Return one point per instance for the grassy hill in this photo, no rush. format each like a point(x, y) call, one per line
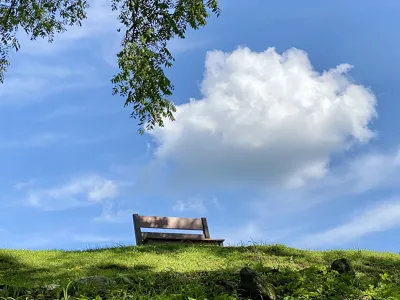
point(202, 272)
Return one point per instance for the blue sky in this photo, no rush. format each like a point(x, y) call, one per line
point(290, 136)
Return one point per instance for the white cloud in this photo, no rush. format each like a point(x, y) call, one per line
point(35, 140)
point(367, 172)
point(29, 81)
point(36, 241)
point(192, 204)
point(364, 173)
point(111, 214)
point(382, 216)
point(81, 191)
point(94, 238)
point(46, 139)
point(101, 22)
point(254, 232)
point(50, 239)
point(24, 184)
point(244, 234)
point(41, 68)
point(177, 45)
point(64, 111)
point(196, 204)
point(103, 190)
point(353, 178)
point(265, 118)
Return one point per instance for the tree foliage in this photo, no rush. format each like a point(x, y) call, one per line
point(144, 55)
point(38, 18)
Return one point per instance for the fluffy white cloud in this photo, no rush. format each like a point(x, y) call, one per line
point(382, 216)
point(265, 118)
point(79, 192)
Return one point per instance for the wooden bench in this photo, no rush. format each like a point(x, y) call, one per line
point(143, 238)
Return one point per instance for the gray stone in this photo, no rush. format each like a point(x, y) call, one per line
point(229, 286)
point(51, 287)
point(252, 286)
point(342, 266)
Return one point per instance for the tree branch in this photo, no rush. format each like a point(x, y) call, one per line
point(13, 4)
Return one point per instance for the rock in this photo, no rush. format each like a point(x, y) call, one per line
point(51, 287)
point(252, 286)
point(342, 266)
point(229, 286)
point(92, 285)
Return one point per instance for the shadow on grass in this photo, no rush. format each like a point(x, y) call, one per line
point(8, 262)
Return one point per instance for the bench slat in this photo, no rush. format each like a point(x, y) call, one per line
point(171, 223)
point(172, 236)
point(180, 239)
point(173, 241)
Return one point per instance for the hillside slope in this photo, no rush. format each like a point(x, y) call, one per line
point(188, 272)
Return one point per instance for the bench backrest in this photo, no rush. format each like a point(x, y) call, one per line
point(169, 223)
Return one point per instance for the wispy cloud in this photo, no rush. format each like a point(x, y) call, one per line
point(50, 239)
point(42, 69)
point(196, 204)
point(59, 112)
point(191, 204)
point(47, 139)
point(95, 238)
point(112, 214)
point(29, 81)
point(101, 22)
point(24, 184)
point(81, 191)
point(360, 174)
point(178, 46)
point(35, 140)
point(63, 111)
point(32, 240)
point(382, 216)
point(352, 177)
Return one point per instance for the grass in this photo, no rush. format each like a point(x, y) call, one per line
point(162, 271)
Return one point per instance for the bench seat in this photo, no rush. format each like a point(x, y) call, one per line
point(157, 238)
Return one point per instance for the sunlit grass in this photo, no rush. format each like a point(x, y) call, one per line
point(157, 268)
